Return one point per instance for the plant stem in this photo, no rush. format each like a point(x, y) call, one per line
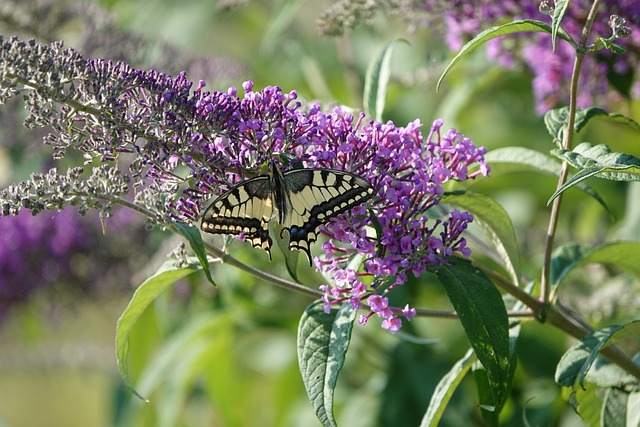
point(561, 319)
point(567, 142)
point(566, 323)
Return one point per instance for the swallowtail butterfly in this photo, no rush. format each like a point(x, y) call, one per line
point(303, 199)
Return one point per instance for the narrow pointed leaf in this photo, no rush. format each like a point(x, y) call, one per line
point(445, 388)
point(576, 180)
point(377, 81)
point(555, 121)
point(585, 115)
point(193, 236)
point(597, 161)
point(519, 159)
point(576, 362)
point(166, 275)
point(489, 408)
point(278, 23)
point(496, 222)
point(601, 43)
point(519, 26)
point(179, 364)
point(484, 318)
point(323, 340)
point(623, 255)
point(559, 9)
point(586, 156)
point(556, 118)
point(614, 408)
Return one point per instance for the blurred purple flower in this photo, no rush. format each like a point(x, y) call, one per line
point(551, 70)
point(59, 249)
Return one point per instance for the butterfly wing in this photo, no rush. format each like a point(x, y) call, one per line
point(314, 197)
point(245, 209)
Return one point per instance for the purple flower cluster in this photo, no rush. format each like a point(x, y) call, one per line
point(184, 145)
point(551, 70)
point(407, 172)
point(58, 249)
point(36, 251)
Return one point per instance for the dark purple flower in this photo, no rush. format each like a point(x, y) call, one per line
point(551, 70)
point(59, 249)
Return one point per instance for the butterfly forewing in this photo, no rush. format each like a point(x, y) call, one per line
point(315, 196)
point(245, 209)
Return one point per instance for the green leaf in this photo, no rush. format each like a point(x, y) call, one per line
point(520, 26)
point(602, 43)
point(516, 159)
point(597, 161)
point(587, 156)
point(576, 362)
point(278, 23)
point(588, 403)
point(179, 365)
point(445, 388)
point(496, 222)
point(623, 255)
point(193, 236)
point(555, 119)
point(377, 80)
point(290, 257)
point(633, 409)
point(223, 380)
point(614, 408)
point(519, 159)
point(583, 116)
point(484, 318)
point(559, 9)
point(488, 410)
point(622, 119)
point(323, 340)
point(604, 374)
point(166, 275)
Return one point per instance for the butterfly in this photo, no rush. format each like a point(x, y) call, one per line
point(302, 199)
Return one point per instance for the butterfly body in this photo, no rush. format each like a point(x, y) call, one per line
point(302, 200)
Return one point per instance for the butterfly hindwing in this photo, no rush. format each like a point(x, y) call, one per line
point(245, 209)
point(315, 196)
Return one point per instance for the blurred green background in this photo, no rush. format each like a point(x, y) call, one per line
point(227, 356)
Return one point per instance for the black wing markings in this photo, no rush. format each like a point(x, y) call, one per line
point(304, 199)
point(316, 196)
point(245, 209)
